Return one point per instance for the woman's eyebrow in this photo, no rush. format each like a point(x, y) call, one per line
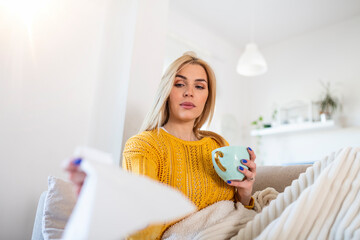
point(196, 80)
point(200, 80)
point(181, 76)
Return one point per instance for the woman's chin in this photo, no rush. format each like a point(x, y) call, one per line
point(186, 118)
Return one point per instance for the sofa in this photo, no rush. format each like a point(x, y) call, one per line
point(56, 203)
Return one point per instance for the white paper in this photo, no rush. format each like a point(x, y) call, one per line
point(114, 203)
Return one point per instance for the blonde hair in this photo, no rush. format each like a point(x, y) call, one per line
point(159, 113)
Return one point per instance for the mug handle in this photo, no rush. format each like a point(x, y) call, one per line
point(218, 163)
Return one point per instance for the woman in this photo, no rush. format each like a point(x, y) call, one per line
point(172, 149)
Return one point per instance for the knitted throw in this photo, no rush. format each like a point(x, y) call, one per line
point(220, 220)
point(323, 203)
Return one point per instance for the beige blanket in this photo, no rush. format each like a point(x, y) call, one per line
point(220, 220)
point(323, 203)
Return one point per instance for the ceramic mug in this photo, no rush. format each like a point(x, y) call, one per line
point(226, 161)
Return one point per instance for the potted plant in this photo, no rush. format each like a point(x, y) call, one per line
point(328, 103)
point(258, 123)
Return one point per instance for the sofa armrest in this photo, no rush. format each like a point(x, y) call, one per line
point(278, 177)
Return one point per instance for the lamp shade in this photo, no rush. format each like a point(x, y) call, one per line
point(252, 62)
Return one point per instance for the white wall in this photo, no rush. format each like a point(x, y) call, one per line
point(109, 103)
point(46, 91)
point(64, 84)
point(146, 64)
point(295, 67)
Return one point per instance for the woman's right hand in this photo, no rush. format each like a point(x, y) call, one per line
point(76, 176)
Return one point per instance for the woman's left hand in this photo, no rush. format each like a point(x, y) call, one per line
point(244, 187)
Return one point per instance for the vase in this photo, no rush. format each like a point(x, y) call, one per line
point(324, 116)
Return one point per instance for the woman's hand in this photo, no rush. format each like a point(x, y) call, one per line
point(76, 176)
point(244, 187)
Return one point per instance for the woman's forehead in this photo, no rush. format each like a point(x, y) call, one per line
point(193, 71)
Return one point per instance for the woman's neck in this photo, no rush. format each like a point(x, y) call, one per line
point(183, 131)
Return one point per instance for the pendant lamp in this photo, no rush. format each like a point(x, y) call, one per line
point(252, 62)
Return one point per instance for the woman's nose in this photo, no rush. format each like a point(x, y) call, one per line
point(188, 92)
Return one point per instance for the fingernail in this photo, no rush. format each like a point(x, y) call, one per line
point(241, 168)
point(228, 182)
point(249, 148)
point(77, 161)
point(244, 161)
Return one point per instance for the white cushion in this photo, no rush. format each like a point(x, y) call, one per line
point(59, 203)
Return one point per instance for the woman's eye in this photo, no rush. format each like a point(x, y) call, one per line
point(200, 87)
point(178, 85)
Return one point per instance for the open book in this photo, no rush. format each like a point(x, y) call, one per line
point(114, 203)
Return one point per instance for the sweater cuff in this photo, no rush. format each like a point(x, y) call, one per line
point(251, 204)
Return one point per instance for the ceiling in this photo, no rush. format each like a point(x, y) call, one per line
point(273, 20)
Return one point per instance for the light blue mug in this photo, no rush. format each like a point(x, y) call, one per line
point(226, 161)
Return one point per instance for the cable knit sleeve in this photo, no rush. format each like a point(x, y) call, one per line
point(140, 157)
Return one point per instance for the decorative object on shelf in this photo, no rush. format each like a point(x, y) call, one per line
point(275, 120)
point(328, 103)
point(252, 62)
point(300, 115)
point(293, 116)
point(267, 125)
point(258, 123)
point(296, 111)
point(274, 115)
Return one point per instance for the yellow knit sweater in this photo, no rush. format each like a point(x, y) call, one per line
point(184, 165)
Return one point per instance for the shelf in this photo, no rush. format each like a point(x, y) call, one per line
point(286, 128)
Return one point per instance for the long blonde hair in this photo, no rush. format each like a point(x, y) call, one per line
point(159, 113)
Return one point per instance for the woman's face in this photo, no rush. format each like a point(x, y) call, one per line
point(189, 94)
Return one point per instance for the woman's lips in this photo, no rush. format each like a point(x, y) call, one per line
point(187, 105)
